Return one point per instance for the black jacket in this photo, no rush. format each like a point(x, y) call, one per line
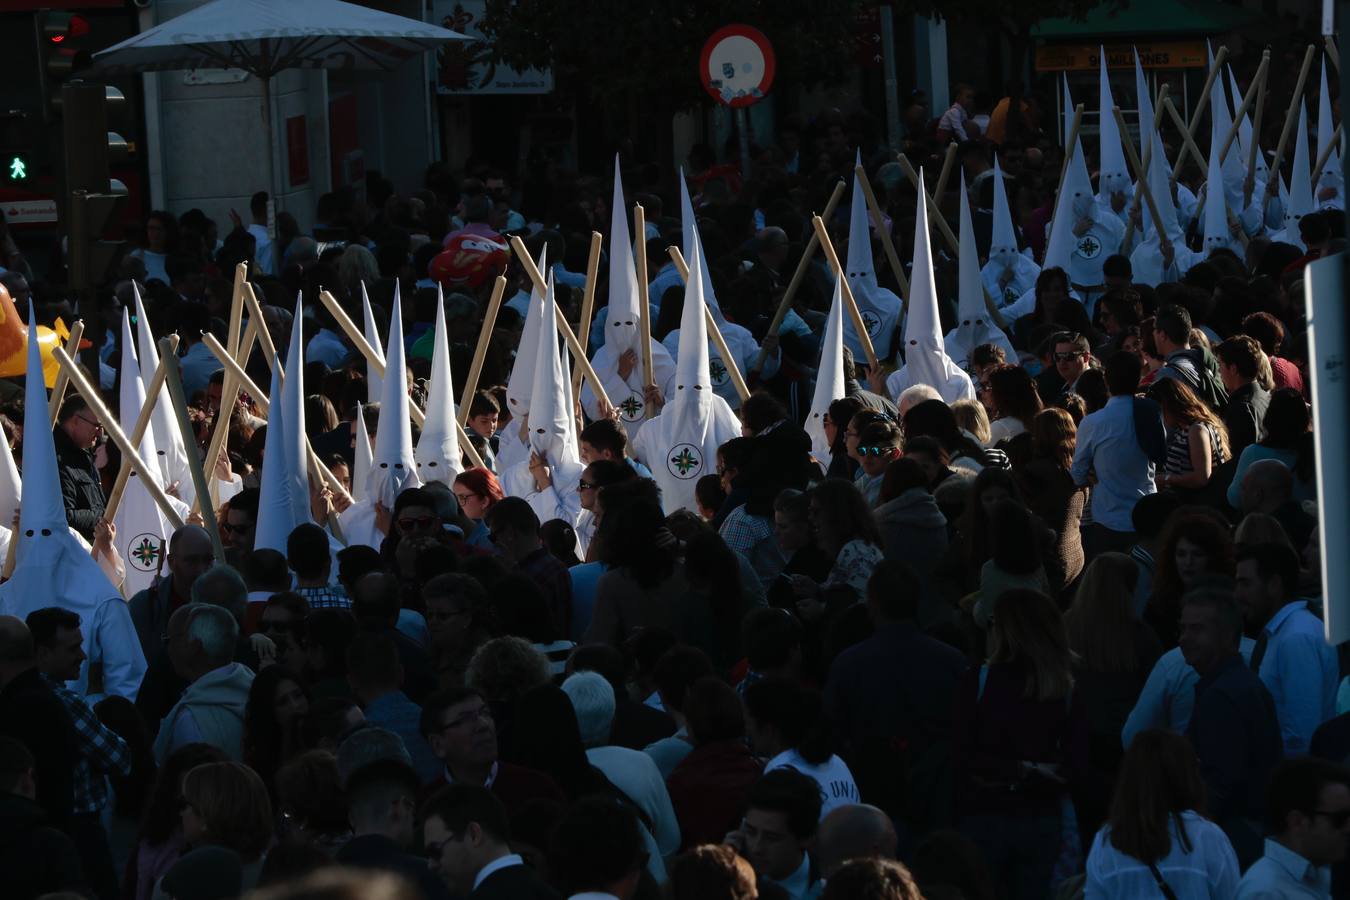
point(514, 883)
point(81, 490)
point(30, 712)
point(379, 853)
point(36, 858)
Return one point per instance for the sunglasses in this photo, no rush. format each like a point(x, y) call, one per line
point(92, 423)
point(230, 528)
point(584, 485)
point(876, 451)
point(1337, 817)
point(1069, 357)
point(415, 523)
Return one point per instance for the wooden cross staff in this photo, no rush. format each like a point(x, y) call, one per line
point(1137, 201)
point(480, 352)
point(1074, 127)
point(1290, 119)
point(714, 333)
point(1325, 154)
point(1187, 142)
point(1249, 183)
point(141, 424)
point(230, 394)
point(948, 162)
point(114, 431)
point(892, 258)
point(229, 390)
point(572, 343)
point(1333, 53)
point(1141, 178)
point(587, 307)
point(1188, 131)
point(1258, 82)
point(644, 300)
point(933, 211)
point(179, 400)
point(358, 338)
point(802, 265)
point(62, 379)
point(265, 406)
point(859, 326)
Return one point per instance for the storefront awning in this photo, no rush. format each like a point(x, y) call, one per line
point(1150, 17)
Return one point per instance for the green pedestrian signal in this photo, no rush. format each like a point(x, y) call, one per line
point(18, 169)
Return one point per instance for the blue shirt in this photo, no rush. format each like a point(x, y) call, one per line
point(1169, 695)
point(584, 579)
point(1281, 874)
point(1107, 447)
point(1301, 672)
point(197, 366)
point(400, 715)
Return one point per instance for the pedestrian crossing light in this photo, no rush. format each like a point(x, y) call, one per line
point(18, 169)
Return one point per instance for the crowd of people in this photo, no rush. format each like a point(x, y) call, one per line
point(1015, 596)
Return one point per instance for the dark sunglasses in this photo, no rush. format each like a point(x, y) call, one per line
point(234, 529)
point(415, 523)
point(1070, 356)
point(876, 451)
point(584, 485)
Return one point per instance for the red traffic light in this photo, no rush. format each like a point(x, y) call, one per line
point(66, 25)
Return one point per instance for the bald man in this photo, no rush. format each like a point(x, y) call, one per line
point(852, 832)
point(190, 554)
point(31, 713)
point(1268, 487)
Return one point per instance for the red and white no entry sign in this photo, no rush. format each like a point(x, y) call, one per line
point(737, 65)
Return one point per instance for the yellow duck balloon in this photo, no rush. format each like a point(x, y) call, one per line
point(14, 342)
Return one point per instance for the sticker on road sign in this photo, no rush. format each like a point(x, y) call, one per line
point(737, 65)
point(29, 212)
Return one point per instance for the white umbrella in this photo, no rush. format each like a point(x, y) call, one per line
point(264, 37)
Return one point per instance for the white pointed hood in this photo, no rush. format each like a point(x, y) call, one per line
point(170, 450)
point(550, 416)
point(1003, 242)
point(973, 326)
point(1300, 202)
point(11, 485)
point(1068, 110)
point(1113, 176)
point(522, 370)
point(1216, 205)
point(142, 531)
point(44, 512)
point(1159, 183)
point(1147, 122)
point(1233, 167)
point(1326, 129)
point(374, 383)
point(363, 456)
point(1244, 135)
point(622, 322)
point(437, 453)
point(878, 306)
point(283, 502)
point(394, 466)
point(1075, 201)
point(926, 359)
point(690, 236)
point(861, 268)
point(830, 384)
point(693, 384)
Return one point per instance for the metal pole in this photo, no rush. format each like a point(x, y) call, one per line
point(743, 126)
point(892, 87)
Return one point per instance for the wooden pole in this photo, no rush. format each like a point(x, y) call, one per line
point(1249, 183)
point(948, 161)
point(933, 211)
point(1188, 143)
point(802, 265)
point(62, 379)
point(1074, 127)
point(179, 401)
point(1290, 119)
point(265, 406)
point(480, 352)
point(264, 335)
point(1219, 59)
point(858, 324)
point(644, 302)
point(1141, 178)
point(114, 431)
point(1333, 53)
point(714, 332)
point(892, 258)
point(1262, 71)
point(587, 306)
point(229, 395)
point(228, 389)
point(1138, 199)
point(141, 424)
point(572, 343)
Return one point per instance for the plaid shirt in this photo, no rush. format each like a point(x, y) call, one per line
point(743, 531)
point(102, 752)
point(329, 596)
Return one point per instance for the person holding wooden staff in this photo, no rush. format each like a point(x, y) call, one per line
point(618, 362)
point(879, 307)
point(1008, 273)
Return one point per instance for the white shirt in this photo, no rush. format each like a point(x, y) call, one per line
point(1301, 672)
point(634, 773)
point(1281, 874)
point(501, 862)
point(1108, 446)
point(837, 787)
point(1208, 872)
point(328, 348)
point(263, 252)
point(1002, 429)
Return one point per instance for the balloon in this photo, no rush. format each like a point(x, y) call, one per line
point(14, 342)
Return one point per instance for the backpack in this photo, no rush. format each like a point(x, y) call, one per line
point(1199, 378)
point(1149, 431)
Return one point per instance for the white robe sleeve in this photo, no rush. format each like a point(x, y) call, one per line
point(115, 644)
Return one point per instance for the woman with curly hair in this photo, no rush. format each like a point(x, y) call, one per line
point(1049, 487)
point(846, 530)
point(1196, 542)
point(276, 701)
point(225, 804)
point(1016, 402)
point(160, 840)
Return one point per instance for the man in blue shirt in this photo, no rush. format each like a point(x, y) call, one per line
point(1109, 457)
point(375, 674)
point(1307, 817)
point(1292, 655)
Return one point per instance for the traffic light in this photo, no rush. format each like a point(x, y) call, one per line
point(90, 256)
point(60, 51)
point(20, 156)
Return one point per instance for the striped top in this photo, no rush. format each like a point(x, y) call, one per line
point(1179, 450)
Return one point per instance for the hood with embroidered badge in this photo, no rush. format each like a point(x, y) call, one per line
point(52, 567)
point(973, 325)
point(170, 450)
point(1075, 201)
point(830, 385)
point(283, 495)
point(437, 452)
